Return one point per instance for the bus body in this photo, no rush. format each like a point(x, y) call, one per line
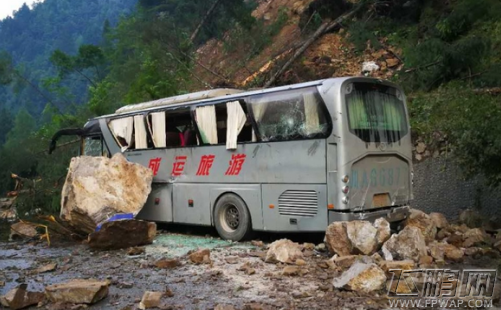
point(286, 159)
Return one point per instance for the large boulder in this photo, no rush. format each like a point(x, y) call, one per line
point(78, 291)
point(336, 239)
point(123, 234)
point(424, 223)
point(409, 244)
point(361, 277)
point(356, 237)
point(362, 236)
point(283, 251)
point(97, 188)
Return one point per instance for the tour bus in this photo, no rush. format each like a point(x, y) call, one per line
point(287, 159)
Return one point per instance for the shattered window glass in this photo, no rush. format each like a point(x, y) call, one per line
point(92, 146)
point(290, 115)
point(376, 113)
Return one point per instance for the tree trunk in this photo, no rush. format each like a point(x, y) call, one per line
point(209, 12)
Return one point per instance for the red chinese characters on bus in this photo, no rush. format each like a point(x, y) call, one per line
point(178, 165)
point(236, 163)
point(154, 165)
point(205, 164)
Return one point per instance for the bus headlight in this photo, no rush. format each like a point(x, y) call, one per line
point(345, 189)
point(345, 200)
point(345, 179)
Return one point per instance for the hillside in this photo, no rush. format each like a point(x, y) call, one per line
point(31, 35)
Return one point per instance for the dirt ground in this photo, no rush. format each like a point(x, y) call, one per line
point(193, 286)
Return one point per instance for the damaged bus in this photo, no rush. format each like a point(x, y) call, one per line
point(285, 159)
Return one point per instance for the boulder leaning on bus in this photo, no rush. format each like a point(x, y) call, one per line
point(97, 188)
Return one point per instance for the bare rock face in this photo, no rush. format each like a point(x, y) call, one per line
point(284, 251)
point(336, 239)
point(123, 234)
point(362, 236)
point(19, 298)
point(383, 230)
point(439, 220)
point(423, 222)
point(361, 277)
point(408, 244)
point(78, 291)
point(96, 188)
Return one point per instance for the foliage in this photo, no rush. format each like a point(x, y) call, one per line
point(471, 121)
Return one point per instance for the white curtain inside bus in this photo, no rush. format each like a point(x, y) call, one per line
point(122, 128)
point(206, 121)
point(140, 132)
point(258, 110)
point(312, 122)
point(235, 123)
point(158, 129)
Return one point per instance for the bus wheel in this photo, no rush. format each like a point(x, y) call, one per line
point(232, 218)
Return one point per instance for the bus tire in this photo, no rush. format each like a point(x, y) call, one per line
point(232, 218)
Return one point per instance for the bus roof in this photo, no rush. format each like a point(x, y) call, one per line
point(215, 95)
point(206, 94)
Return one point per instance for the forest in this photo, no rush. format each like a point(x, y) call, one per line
point(62, 62)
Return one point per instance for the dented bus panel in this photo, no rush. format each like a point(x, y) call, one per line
point(306, 155)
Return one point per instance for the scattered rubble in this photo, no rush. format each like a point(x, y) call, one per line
point(123, 234)
point(284, 251)
point(167, 263)
point(19, 298)
point(46, 268)
point(97, 188)
point(78, 291)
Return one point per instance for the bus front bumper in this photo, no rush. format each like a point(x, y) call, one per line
point(393, 214)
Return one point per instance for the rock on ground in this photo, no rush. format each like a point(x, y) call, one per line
point(439, 220)
point(23, 230)
point(362, 236)
point(424, 222)
point(408, 244)
point(383, 230)
point(200, 256)
point(403, 265)
point(19, 298)
point(475, 236)
point(361, 277)
point(441, 251)
point(283, 251)
point(336, 239)
point(78, 291)
point(471, 218)
point(123, 234)
point(150, 300)
point(96, 188)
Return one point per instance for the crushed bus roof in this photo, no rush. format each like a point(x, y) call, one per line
point(206, 94)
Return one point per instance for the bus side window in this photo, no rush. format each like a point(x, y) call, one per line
point(92, 146)
point(223, 123)
point(179, 130)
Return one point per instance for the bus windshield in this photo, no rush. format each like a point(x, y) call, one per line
point(290, 115)
point(376, 112)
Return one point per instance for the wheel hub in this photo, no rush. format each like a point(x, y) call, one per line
point(232, 217)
